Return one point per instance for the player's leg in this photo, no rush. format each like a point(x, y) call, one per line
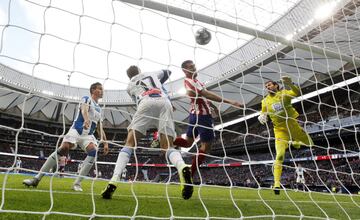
point(123, 158)
point(50, 162)
point(136, 129)
point(90, 147)
point(175, 158)
point(297, 183)
point(281, 144)
point(191, 134)
point(298, 135)
point(167, 132)
point(303, 184)
point(206, 133)
point(184, 142)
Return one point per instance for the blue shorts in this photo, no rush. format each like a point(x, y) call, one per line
point(206, 134)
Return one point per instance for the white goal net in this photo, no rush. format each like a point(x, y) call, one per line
point(51, 51)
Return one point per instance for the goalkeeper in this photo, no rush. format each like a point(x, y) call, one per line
point(277, 105)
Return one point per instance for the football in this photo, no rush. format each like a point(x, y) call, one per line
point(202, 36)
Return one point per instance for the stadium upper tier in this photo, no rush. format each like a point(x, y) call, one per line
point(239, 75)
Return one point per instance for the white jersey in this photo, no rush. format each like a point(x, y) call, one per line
point(94, 116)
point(300, 172)
point(146, 85)
point(18, 163)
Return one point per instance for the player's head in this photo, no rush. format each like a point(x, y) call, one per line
point(189, 68)
point(133, 71)
point(272, 86)
point(96, 89)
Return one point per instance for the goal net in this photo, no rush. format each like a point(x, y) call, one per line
point(51, 51)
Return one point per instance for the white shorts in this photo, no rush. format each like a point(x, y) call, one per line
point(154, 113)
point(300, 180)
point(82, 140)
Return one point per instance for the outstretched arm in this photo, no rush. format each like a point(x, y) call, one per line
point(295, 91)
point(214, 97)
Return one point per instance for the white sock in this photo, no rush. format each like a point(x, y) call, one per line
point(85, 169)
point(175, 158)
point(122, 160)
point(49, 163)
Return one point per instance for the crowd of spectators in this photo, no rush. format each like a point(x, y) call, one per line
point(40, 140)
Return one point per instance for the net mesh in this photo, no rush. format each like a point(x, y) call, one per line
point(51, 51)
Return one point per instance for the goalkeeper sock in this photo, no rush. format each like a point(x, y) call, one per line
point(175, 158)
point(86, 166)
point(181, 142)
point(49, 163)
point(277, 173)
point(122, 160)
point(200, 160)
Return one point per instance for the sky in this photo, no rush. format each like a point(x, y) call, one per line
point(67, 42)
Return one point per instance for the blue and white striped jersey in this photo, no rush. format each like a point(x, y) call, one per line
point(94, 116)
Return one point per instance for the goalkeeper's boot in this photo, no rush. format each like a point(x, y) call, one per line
point(31, 182)
point(276, 190)
point(186, 183)
point(108, 191)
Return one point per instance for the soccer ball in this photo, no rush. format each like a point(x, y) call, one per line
point(202, 36)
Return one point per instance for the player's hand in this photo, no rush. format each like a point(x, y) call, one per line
point(106, 148)
point(286, 80)
point(86, 124)
point(263, 118)
point(214, 112)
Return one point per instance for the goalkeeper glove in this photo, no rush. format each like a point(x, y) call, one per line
point(262, 118)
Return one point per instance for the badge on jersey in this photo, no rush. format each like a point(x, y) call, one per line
point(277, 107)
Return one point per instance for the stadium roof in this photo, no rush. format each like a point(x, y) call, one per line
point(239, 76)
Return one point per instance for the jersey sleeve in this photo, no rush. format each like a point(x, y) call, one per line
point(263, 106)
point(291, 92)
point(85, 100)
point(163, 75)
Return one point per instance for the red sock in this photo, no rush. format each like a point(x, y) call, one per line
point(200, 160)
point(181, 142)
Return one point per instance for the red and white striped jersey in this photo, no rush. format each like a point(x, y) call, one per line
point(199, 105)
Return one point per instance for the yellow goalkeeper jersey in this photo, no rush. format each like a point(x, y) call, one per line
point(278, 106)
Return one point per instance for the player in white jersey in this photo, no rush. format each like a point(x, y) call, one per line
point(154, 110)
point(18, 165)
point(300, 178)
point(123, 175)
point(80, 133)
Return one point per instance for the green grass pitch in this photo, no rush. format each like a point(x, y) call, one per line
point(148, 200)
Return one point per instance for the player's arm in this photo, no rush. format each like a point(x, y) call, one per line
point(164, 75)
point(102, 135)
point(85, 113)
point(214, 97)
point(263, 114)
point(294, 90)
